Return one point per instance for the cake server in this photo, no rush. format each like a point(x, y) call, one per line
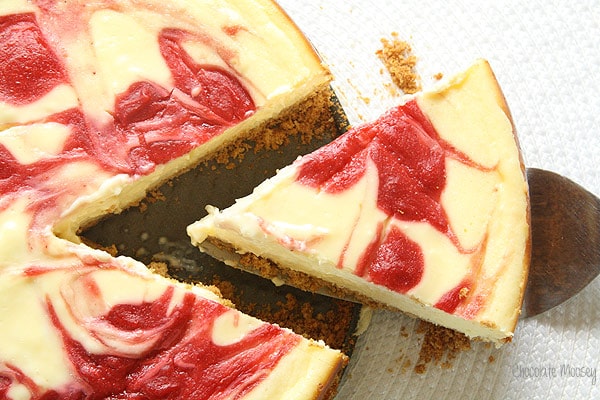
point(565, 252)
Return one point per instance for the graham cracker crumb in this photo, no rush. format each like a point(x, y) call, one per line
point(405, 366)
point(400, 63)
point(403, 332)
point(159, 268)
point(392, 89)
point(153, 196)
point(440, 346)
point(420, 368)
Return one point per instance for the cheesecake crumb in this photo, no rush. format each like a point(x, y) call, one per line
point(420, 369)
point(400, 63)
point(440, 346)
point(405, 366)
point(159, 268)
point(153, 196)
point(403, 332)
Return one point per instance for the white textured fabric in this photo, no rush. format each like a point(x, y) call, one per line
point(546, 55)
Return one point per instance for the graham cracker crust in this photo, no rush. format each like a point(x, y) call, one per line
point(311, 119)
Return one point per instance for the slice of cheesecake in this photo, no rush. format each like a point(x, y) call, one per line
point(424, 210)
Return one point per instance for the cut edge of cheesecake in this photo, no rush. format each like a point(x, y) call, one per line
point(241, 245)
point(123, 191)
point(312, 85)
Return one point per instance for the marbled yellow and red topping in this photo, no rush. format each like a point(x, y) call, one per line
point(410, 159)
point(151, 124)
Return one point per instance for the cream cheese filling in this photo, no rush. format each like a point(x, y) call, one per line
point(32, 143)
point(61, 98)
point(126, 51)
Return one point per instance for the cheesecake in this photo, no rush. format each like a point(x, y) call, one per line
point(101, 102)
point(424, 210)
